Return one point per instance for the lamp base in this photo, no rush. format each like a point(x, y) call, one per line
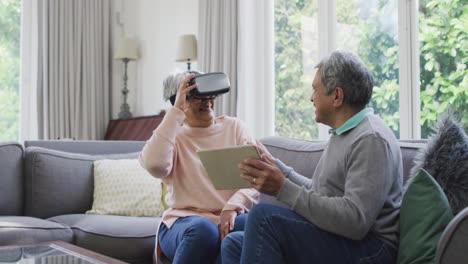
point(125, 111)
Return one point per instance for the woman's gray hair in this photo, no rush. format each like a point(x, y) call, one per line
point(172, 82)
point(346, 70)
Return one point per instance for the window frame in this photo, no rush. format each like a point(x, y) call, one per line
point(408, 42)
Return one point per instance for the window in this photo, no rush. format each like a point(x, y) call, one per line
point(443, 36)
point(370, 29)
point(9, 69)
point(311, 29)
point(296, 53)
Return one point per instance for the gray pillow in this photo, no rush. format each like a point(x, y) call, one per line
point(445, 157)
point(58, 182)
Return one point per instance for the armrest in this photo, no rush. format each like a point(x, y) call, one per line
point(452, 244)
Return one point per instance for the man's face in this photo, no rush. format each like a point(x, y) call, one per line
point(323, 103)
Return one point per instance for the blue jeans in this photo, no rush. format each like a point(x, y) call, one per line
point(193, 239)
point(278, 235)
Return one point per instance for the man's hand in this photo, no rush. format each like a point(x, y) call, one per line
point(226, 222)
point(263, 174)
point(181, 98)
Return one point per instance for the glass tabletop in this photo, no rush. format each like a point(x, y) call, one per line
point(41, 254)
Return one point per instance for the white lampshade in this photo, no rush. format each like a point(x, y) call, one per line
point(186, 48)
point(127, 49)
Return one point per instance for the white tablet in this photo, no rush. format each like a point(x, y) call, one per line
point(222, 165)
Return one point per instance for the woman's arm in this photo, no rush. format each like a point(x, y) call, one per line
point(159, 151)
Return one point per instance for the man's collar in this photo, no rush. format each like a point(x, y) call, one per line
point(353, 121)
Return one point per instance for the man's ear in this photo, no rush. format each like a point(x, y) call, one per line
point(338, 99)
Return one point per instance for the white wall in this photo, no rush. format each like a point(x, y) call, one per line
point(156, 25)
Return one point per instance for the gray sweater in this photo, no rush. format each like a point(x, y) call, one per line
point(356, 187)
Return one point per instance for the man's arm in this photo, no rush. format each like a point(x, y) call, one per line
point(367, 182)
point(293, 176)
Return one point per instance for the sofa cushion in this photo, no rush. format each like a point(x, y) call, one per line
point(131, 239)
point(424, 214)
point(22, 230)
point(59, 182)
point(123, 187)
point(11, 179)
point(446, 159)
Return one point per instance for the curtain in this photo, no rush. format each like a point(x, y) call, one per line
point(217, 47)
point(73, 68)
point(256, 82)
point(28, 70)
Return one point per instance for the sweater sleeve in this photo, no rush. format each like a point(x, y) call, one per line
point(293, 176)
point(159, 152)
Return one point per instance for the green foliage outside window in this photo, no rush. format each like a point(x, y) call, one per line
point(294, 111)
point(443, 34)
point(9, 69)
point(443, 74)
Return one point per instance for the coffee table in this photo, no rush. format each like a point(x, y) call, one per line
point(52, 252)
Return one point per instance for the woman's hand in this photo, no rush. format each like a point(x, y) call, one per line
point(226, 222)
point(262, 150)
point(181, 97)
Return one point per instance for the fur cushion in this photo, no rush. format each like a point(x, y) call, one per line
point(446, 159)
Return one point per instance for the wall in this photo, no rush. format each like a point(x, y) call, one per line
point(156, 25)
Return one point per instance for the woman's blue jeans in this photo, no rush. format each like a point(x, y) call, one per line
point(278, 235)
point(193, 239)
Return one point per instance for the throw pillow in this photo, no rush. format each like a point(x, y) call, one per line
point(123, 187)
point(446, 159)
point(424, 214)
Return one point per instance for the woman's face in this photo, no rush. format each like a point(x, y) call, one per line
point(200, 111)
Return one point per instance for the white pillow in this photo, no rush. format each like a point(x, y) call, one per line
point(123, 187)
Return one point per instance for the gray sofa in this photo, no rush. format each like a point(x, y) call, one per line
point(47, 186)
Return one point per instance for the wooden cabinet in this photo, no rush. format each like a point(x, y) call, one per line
point(137, 128)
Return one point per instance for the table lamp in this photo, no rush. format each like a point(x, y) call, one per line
point(126, 51)
point(187, 49)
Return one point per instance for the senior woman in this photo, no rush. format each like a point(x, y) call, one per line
point(199, 216)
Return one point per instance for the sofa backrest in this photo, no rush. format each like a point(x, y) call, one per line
point(93, 147)
point(59, 182)
point(11, 179)
point(303, 155)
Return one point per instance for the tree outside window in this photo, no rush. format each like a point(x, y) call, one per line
point(443, 35)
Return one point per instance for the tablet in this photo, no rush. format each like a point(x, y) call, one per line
point(222, 165)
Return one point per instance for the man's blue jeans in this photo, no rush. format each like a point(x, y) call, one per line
point(278, 235)
point(193, 239)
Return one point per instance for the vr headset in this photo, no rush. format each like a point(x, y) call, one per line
point(208, 85)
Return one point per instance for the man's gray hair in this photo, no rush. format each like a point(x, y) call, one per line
point(346, 70)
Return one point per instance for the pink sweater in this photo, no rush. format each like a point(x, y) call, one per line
point(171, 154)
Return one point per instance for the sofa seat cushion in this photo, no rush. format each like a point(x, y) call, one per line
point(22, 230)
point(131, 239)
